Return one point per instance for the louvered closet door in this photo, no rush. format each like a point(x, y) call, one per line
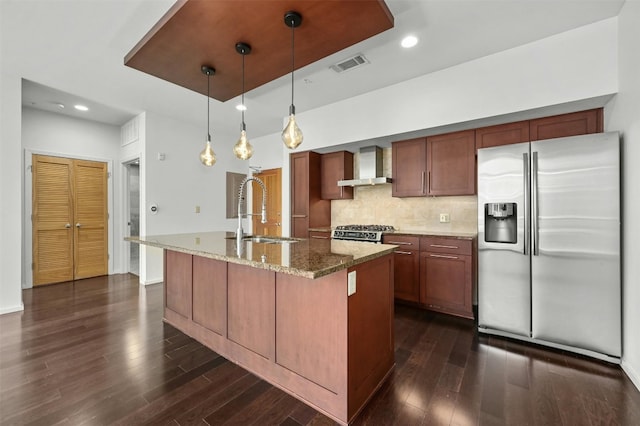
point(90, 216)
point(52, 220)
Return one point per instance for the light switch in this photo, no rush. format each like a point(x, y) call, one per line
point(351, 283)
point(197, 209)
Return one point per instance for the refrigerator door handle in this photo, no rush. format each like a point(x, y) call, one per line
point(534, 203)
point(525, 179)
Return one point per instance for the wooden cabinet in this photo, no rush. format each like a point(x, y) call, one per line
point(409, 168)
point(446, 275)
point(503, 134)
point(336, 166)
point(573, 124)
point(451, 166)
point(307, 208)
point(406, 266)
point(178, 271)
point(437, 165)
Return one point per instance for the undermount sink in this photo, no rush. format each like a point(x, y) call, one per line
point(267, 239)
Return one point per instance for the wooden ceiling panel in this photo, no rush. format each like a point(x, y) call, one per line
point(204, 32)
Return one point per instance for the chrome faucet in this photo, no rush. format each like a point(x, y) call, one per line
point(263, 213)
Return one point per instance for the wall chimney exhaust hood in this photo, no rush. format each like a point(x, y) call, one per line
point(370, 168)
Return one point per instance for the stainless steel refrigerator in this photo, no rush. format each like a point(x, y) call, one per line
point(549, 243)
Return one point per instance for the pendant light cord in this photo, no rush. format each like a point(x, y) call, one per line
point(292, 65)
point(243, 105)
point(208, 101)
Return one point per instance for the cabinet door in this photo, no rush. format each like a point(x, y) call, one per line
point(299, 194)
point(409, 168)
point(406, 266)
point(336, 166)
point(451, 164)
point(503, 134)
point(573, 124)
point(446, 283)
point(177, 282)
point(210, 294)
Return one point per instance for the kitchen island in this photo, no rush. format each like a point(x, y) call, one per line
point(312, 317)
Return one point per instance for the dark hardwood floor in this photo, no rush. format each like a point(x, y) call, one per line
point(96, 352)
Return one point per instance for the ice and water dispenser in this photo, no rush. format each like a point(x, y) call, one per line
point(500, 223)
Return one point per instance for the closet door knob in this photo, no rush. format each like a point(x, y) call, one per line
point(68, 225)
point(78, 225)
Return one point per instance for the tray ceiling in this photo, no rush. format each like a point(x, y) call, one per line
point(204, 32)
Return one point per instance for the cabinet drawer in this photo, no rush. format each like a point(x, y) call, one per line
point(446, 245)
point(405, 242)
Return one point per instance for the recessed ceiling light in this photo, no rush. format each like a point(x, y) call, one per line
point(81, 107)
point(409, 41)
point(241, 107)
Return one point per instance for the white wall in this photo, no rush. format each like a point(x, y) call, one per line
point(624, 115)
point(62, 136)
point(568, 67)
point(10, 193)
point(180, 182)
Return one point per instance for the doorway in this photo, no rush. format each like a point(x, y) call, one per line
point(69, 219)
point(133, 214)
point(272, 179)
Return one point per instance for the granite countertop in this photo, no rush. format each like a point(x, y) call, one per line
point(309, 258)
point(448, 234)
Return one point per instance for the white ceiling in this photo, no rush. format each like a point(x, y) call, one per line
point(71, 51)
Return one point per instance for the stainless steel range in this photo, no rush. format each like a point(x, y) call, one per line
point(368, 233)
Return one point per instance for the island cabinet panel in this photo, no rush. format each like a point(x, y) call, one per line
point(251, 310)
point(451, 164)
point(177, 282)
point(311, 336)
point(409, 168)
point(210, 294)
point(372, 303)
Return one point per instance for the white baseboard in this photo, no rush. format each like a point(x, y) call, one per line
point(631, 373)
point(152, 281)
point(11, 309)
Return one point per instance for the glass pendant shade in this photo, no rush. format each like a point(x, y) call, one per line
point(243, 149)
point(207, 156)
point(292, 135)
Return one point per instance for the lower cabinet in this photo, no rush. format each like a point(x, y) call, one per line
point(406, 267)
point(434, 272)
point(446, 275)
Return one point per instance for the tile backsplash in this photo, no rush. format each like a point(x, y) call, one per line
point(375, 205)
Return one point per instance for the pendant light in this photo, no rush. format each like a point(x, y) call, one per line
point(207, 156)
point(243, 149)
point(292, 135)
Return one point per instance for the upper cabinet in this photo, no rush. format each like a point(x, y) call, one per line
point(409, 168)
point(336, 166)
point(437, 165)
point(307, 208)
point(573, 124)
point(451, 164)
point(502, 134)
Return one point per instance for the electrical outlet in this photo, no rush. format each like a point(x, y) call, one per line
point(444, 218)
point(197, 209)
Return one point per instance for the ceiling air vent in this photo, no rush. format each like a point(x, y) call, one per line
point(351, 63)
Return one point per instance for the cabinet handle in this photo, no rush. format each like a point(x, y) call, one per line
point(429, 182)
point(443, 256)
point(319, 237)
point(443, 246)
point(68, 225)
point(423, 181)
point(341, 191)
point(403, 252)
point(78, 225)
point(298, 215)
point(399, 243)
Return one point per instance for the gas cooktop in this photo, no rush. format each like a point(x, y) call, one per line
point(369, 233)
